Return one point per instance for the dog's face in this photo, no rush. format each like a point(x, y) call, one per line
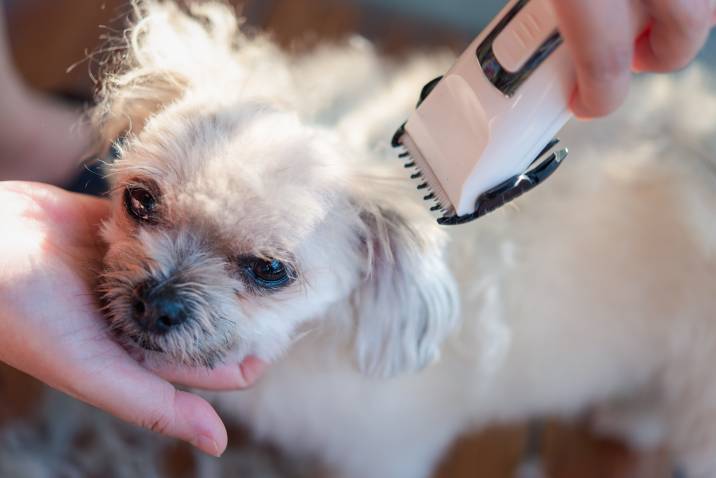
point(235, 226)
point(226, 233)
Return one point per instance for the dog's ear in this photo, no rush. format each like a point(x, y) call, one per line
point(407, 303)
point(165, 51)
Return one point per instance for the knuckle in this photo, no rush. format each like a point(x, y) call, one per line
point(678, 62)
point(682, 31)
point(158, 421)
point(689, 17)
point(603, 79)
point(606, 65)
point(161, 419)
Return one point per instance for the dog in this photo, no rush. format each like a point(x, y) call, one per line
point(259, 211)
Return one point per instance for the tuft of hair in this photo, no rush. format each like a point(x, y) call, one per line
point(167, 51)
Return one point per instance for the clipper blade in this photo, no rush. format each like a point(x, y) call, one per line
point(428, 181)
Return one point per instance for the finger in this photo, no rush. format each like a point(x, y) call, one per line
point(678, 32)
point(81, 210)
point(224, 377)
point(134, 394)
point(76, 219)
point(94, 210)
point(600, 36)
point(60, 206)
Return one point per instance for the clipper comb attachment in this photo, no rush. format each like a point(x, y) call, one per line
point(497, 196)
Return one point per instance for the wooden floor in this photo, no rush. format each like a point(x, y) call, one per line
point(48, 36)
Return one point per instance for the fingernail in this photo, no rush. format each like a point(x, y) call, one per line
point(575, 104)
point(207, 445)
point(579, 110)
point(251, 369)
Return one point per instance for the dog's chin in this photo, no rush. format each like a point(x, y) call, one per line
point(145, 343)
point(143, 348)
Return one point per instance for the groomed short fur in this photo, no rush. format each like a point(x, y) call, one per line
point(392, 335)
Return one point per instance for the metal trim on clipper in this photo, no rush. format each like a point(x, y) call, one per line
point(505, 81)
point(512, 188)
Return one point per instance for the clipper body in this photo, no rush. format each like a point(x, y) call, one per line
point(479, 128)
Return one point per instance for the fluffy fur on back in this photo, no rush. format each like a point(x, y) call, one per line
point(596, 289)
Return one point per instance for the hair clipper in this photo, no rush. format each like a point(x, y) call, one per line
point(482, 133)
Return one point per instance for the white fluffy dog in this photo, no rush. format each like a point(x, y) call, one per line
point(258, 210)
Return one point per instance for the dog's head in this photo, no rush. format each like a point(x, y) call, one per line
point(236, 225)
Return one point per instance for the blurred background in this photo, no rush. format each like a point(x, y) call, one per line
point(49, 36)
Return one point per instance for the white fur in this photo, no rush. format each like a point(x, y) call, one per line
point(595, 289)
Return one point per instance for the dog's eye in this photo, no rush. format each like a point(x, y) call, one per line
point(266, 273)
point(140, 203)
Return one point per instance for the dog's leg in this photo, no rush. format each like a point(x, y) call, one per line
point(690, 405)
point(693, 441)
point(637, 420)
point(531, 465)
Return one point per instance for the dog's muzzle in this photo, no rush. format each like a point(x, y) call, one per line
point(157, 309)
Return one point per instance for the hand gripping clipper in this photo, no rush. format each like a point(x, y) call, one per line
point(482, 133)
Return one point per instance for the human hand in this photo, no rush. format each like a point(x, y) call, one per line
point(601, 36)
point(50, 326)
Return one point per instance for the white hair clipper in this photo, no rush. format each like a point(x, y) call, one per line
point(481, 133)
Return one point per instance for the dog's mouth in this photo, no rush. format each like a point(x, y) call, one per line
point(145, 343)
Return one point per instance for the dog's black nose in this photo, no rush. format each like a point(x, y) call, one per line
point(158, 310)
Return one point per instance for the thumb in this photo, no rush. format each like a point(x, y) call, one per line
point(144, 399)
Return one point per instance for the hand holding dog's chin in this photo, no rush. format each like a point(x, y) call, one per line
point(51, 328)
